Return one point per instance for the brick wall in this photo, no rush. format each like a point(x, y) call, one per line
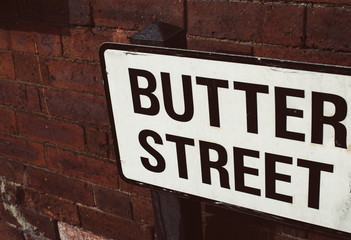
point(57, 164)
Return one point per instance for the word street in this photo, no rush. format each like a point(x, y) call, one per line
point(251, 90)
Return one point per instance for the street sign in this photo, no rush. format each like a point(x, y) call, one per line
point(260, 135)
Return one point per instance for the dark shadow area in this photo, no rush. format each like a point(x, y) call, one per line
point(41, 15)
point(229, 225)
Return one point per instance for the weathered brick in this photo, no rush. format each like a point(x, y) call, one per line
point(34, 236)
point(142, 210)
point(113, 227)
point(51, 206)
point(68, 232)
point(4, 39)
point(82, 77)
point(320, 236)
point(43, 225)
point(7, 69)
point(36, 39)
point(82, 167)
point(8, 232)
point(7, 121)
point(22, 150)
point(79, 12)
point(23, 41)
point(122, 36)
point(51, 130)
point(99, 141)
point(339, 2)
point(113, 202)
point(77, 107)
point(6, 215)
point(19, 96)
point(219, 46)
point(88, 40)
point(328, 28)
point(289, 231)
point(268, 23)
point(133, 14)
point(303, 55)
point(134, 189)
point(30, 68)
point(49, 43)
point(54, 12)
point(11, 170)
point(60, 186)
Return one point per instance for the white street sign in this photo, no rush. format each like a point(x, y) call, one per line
point(233, 130)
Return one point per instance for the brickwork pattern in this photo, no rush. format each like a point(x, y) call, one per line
point(57, 162)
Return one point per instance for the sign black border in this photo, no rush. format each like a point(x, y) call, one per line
point(323, 68)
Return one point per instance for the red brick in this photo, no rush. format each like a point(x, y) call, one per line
point(12, 192)
point(338, 2)
point(79, 12)
point(11, 170)
point(83, 167)
point(134, 189)
point(122, 36)
point(82, 77)
point(329, 28)
point(60, 186)
point(113, 202)
point(51, 206)
point(42, 40)
point(49, 43)
point(43, 225)
point(7, 69)
point(99, 141)
point(23, 41)
point(6, 215)
point(22, 150)
point(30, 68)
point(320, 236)
point(268, 23)
point(4, 39)
point(219, 46)
point(7, 121)
point(303, 55)
point(290, 232)
point(19, 96)
point(68, 232)
point(113, 227)
point(77, 107)
point(142, 210)
point(34, 236)
point(51, 130)
point(133, 14)
point(8, 232)
point(88, 40)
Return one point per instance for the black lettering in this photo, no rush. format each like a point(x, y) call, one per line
point(251, 91)
point(188, 98)
point(315, 169)
point(206, 164)
point(282, 112)
point(240, 170)
point(181, 156)
point(137, 92)
point(272, 176)
point(212, 92)
point(161, 164)
point(318, 118)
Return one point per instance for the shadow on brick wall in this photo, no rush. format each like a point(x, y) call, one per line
point(229, 225)
point(32, 15)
